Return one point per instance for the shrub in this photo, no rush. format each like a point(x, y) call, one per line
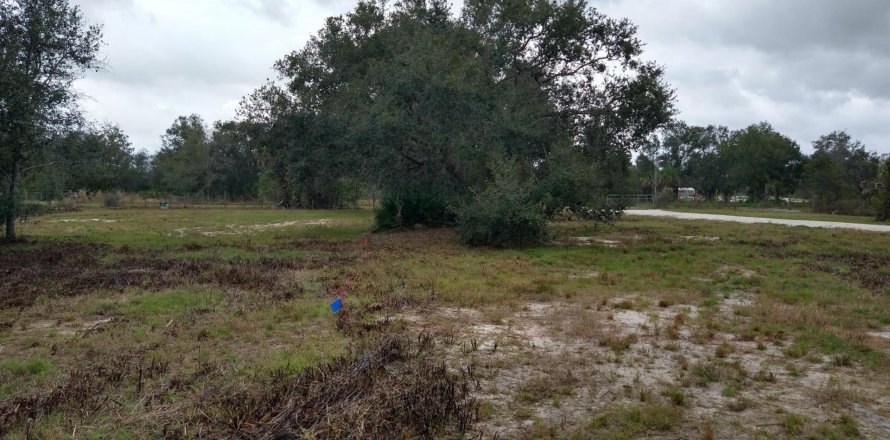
point(111, 200)
point(504, 214)
point(637, 420)
point(269, 189)
point(565, 182)
point(407, 208)
point(676, 396)
point(19, 367)
point(607, 214)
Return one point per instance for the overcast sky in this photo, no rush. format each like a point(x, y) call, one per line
point(807, 66)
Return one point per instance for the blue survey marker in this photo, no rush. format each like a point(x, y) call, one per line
point(337, 305)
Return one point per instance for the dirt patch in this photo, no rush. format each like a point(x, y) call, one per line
point(93, 220)
point(727, 270)
point(621, 353)
point(587, 241)
point(867, 270)
point(247, 229)
point(699, 238)
point(70, 328)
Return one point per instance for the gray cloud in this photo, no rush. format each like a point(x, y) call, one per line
point(170, 57)
point(807, 66)
point(275, 10)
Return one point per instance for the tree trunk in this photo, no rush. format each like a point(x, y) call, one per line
point(13, 202)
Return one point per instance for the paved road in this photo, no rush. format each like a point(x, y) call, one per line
point(740, 219)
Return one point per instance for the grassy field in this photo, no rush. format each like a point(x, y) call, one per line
point(215, 323)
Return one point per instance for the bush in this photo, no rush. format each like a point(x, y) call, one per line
point(607, 214)
point(504, 214)
point(268, 188)
point(566, 182)
point(666, 197)
point(408, 208)
point(111, 200)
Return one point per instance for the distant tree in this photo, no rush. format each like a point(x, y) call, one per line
point(846, 184)
point(644, 169)
point(610, 169)
point(183, 163)
point(690, 155)
point(139, 176)
point(823, 181)
point(647, 165)
point(300, 150)
point(762, 162)
point(217, 162)
point(882, 204)
point(670, 177)
point(44, 46)
point(233, 164)
point(858, 166)
point(97, 160)
point(91, 159)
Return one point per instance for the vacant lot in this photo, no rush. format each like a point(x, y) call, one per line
point(215, 323)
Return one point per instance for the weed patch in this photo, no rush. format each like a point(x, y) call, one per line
point(627, 422)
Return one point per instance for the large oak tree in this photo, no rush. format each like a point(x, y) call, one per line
point(415, 100)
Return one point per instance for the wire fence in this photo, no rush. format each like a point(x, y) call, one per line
point(630, 199)
point(82, 200)
point(74, 201)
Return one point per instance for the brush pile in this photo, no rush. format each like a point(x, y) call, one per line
point(390, 390)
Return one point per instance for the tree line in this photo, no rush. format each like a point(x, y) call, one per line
point(220, 161)
point(494, 118)
point(213, 162)
point(840, 176)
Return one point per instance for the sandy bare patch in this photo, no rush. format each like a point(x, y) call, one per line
point(587, 241)
point(699, 238)
point(884, 334)
point(247, 229)
point(585, 275)
point(727, 270)
point(75, 220)
point(67, 328)
point(267, 226)
point(565, 362)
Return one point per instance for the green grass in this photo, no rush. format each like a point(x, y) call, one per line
point(633, 421)
point(169, 303)
point(26, 367)
point(153, 228)
point(300, 357)
point(794, 424)
point(675, 395)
